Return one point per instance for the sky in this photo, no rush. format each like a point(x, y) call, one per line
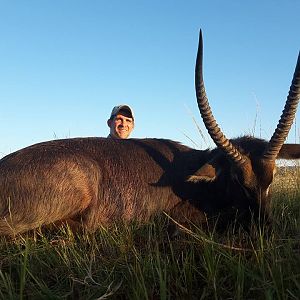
point(65, 64)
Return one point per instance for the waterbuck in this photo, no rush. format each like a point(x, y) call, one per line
point(98, 181)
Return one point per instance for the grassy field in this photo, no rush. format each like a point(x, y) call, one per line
point(143, 263)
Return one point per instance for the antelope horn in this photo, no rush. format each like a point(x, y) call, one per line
point(287, 117)
point(209, 121)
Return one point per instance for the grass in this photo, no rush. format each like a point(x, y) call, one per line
point(141, 262)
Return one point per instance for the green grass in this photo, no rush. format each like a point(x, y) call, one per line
point(141, 262)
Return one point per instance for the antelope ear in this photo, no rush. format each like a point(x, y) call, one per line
point(206, 173)
point(289, 151)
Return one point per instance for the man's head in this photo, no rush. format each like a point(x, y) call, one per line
point(121, 122)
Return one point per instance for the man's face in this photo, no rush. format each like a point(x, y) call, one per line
point(120, 126)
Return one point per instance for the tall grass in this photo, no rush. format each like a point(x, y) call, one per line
point(142, 262)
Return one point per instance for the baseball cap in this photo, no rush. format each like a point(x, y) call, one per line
point(123, 108)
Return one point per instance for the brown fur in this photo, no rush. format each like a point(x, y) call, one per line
point(98, 181)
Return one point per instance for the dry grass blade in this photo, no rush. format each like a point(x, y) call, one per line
point(201, 238)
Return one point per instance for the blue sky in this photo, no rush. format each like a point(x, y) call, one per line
point(65, 64)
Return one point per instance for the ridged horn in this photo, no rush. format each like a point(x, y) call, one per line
point(209, 121)
point(287, 117)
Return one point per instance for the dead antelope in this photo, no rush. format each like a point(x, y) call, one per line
point(97, 181)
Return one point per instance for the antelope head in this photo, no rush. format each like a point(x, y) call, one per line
point(253, 170)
